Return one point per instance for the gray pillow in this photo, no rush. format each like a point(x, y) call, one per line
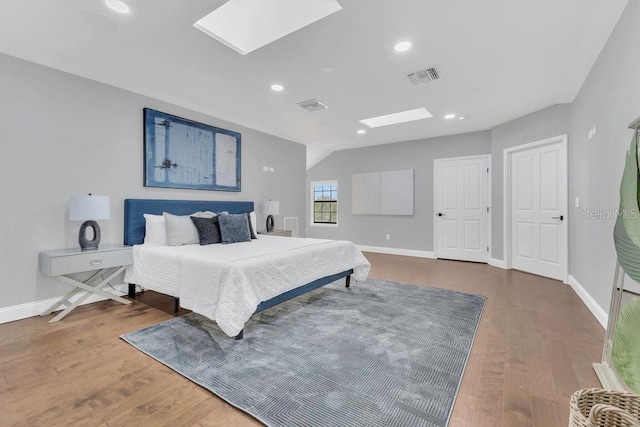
point(234, 228)
point(208, 230)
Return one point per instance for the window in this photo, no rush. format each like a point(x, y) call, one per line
point(324, 203)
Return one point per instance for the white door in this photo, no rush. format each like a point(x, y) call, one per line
point(462, 218)
point(538, 210)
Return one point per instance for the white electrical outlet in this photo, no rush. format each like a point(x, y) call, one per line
point(272, 169)
point(577, 202)
point(388, 236)
point(265, 168)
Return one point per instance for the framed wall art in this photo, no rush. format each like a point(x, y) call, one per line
point(181, 153)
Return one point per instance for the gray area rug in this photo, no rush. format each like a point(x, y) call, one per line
point(377, 354)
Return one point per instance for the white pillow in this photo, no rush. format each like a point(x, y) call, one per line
point(155, 234)
point(254, 223)
point(180, 230)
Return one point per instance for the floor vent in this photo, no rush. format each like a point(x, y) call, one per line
point(424, 76)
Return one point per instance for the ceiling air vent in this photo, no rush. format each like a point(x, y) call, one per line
point(424, 76)
point(312, 105)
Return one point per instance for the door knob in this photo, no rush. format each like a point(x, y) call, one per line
point(440, 214)
point(561, 217)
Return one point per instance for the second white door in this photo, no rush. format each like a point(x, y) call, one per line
point(461, 200)
point(538, 210)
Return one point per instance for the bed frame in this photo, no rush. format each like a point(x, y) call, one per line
point(134, 229)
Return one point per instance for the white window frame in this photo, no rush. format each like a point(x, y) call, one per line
point(311, 204)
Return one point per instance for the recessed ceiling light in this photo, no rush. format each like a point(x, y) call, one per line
point(462, 117)
point(117, 6)
point(361, 131)
point(403, 46)
point(450, 116)
point(277, 88)
point(395, 118)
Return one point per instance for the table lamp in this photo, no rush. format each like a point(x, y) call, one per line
point(89, 209)
point(270, 208)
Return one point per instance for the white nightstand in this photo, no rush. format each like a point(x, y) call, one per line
point(108, 260)
point(276, 232)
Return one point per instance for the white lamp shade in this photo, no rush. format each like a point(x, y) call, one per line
point(270, 207)
point(83, 208)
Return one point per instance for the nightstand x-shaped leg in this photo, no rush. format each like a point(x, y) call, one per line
point(88, 289)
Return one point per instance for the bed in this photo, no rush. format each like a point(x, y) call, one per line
point(229, 283)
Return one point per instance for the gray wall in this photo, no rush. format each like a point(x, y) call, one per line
point(551, 121)
point(63, 135)
point(410, 232)
point(609, 99)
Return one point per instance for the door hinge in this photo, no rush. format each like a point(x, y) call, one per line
point(487, 170)
point(488, 209)
point(487, 248)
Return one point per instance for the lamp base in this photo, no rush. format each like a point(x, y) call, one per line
point(269, 223)
point(86, 244)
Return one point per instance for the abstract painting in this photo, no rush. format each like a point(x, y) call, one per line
point(181, 153)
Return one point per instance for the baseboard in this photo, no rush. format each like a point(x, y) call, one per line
point(500, 263)
point(35, 308)
point(397, 251)
point(588, 300)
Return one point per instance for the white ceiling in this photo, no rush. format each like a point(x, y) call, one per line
point(499, 59)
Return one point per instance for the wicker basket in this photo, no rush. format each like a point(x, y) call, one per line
point(594, 407)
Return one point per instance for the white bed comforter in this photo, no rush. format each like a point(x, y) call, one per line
point(226, 283)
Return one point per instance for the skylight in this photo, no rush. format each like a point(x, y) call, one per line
point(247, 25)
point(395, 118)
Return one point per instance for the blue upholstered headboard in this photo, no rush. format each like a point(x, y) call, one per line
point(134, 209)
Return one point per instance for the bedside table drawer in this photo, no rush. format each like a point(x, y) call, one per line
point(282, 233)
point(276, 232)
point(61, 265)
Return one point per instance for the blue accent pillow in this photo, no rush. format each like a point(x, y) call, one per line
point(234, 228)
point(208, 230)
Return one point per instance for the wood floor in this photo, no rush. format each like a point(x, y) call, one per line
point(534, 347)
